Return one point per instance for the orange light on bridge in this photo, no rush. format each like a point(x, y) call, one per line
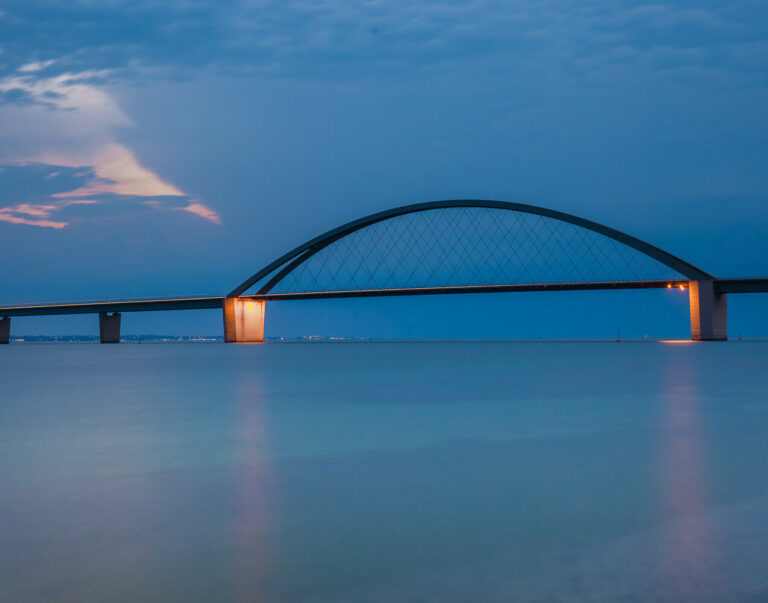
point(669, 285)
point(682, 287)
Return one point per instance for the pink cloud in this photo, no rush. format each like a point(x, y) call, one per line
point(36, 211)
point(13, 219)
point(119, 171)
point(203, 211)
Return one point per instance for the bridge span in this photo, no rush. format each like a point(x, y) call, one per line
point(442, 247)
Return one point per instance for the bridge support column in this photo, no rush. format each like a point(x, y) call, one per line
point(5, 329)
point(109, 327)
point(243, 320)
point(709, 312)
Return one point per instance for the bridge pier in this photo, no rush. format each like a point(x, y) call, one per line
point(5, 329)
point(709, 312)
point(243, 320)
point(109, 327)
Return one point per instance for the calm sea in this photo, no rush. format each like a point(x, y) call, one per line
point(488, 471)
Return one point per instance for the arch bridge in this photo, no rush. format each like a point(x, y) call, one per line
point(443, 247)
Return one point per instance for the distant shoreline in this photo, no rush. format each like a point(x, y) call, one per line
point(148, 339)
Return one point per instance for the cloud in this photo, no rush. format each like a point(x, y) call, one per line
point(55, 196)
point(341, 39)
point(38, 214)
point(65, 121)
point(201, 210)
point(118, 172)
point(521, 41)
point(36, 66)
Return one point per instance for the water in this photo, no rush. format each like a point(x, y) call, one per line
point(384, 472)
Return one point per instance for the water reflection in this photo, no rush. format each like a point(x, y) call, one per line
point(251, 489)
point(687, 556)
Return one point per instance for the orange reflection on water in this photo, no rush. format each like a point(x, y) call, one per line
point(687, 553)
point(252, 492)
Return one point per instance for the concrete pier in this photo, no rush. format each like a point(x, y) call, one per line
point(243, 320)
point(709, 312)
point(109, 327)
point(5, 329)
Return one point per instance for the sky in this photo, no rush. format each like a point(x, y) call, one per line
point(154, 148)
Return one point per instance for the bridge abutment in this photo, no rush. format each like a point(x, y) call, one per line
point(243, 320)
point(109, 327)
point(709, 312)
point(5, 329)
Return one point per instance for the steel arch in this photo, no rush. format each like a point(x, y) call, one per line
point(300, 254)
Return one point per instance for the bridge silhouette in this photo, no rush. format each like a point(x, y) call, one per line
point(442, 247)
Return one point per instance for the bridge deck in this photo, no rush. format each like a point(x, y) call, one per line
point(181, 303)
point(734, 285)
point(741, 285)
point(473, 289)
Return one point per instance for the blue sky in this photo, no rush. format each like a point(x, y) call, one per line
point(163, 148)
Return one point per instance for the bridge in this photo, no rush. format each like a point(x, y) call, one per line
point(442, 247)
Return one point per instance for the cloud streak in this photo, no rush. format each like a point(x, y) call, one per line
point(55, 196)
point(38, 214)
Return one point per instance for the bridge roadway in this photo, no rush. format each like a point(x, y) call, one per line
point(726, 285)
